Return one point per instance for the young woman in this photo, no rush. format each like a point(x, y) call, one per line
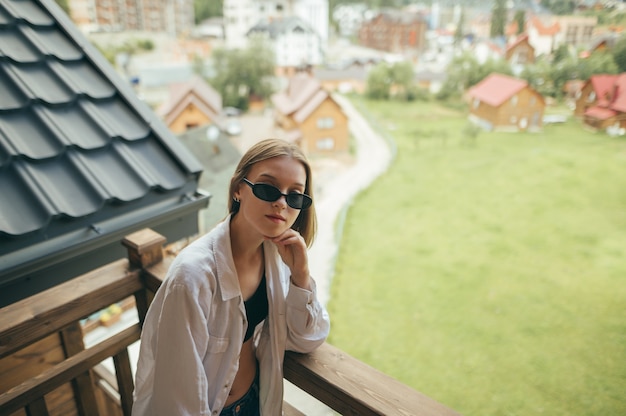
point(234, 300)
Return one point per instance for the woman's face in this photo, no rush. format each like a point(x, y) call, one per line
point(271, 219)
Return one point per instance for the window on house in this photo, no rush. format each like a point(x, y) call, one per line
point(513, 119)
point(327, 143)
point(325, 123)
point(514, 100)
point(476, 103)
point(591, 97)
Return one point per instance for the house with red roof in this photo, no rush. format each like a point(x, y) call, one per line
point(310, 116)
point(501, 102)
point(191, 104)
point(601, 102)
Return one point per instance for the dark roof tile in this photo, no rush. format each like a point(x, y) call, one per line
point(14, 45)
point(52, 42)
point(28, 136)
point(39, 82)
point(84, 79)
point(28, 11)
point(11, 97)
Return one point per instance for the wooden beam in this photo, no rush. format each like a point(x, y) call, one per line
point(83, 386)
point(37, 408)
point(22, 395)
point(125, 385)
point(30, 319)
point(351, 387)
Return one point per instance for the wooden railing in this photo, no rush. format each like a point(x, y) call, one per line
point(47, 369)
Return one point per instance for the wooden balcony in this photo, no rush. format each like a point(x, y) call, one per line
point(47, 369)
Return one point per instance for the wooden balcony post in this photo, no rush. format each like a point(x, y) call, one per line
point(145, 248)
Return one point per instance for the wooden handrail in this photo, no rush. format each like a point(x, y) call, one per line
point(31, 319)
point(66, 370)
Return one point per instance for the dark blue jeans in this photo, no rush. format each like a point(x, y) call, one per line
point(248, 405)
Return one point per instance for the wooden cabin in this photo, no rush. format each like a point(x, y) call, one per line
point(190, 105)
point(520, 52)
point(501, 102)
point(311, 117)
point(601, 102)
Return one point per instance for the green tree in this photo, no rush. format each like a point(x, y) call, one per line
point(561, 7)
point(619, 54)
point(458, 33)
point(243, 73)
point(399, 77)
point(465, 71)
point(204, 9)
point(379, 82)
point(498, 19)
point(598, 63)
point(561, 53)
point(520, 19)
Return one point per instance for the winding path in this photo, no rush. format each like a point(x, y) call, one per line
point(373, 156)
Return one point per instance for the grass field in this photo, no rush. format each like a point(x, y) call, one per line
point(490, 274)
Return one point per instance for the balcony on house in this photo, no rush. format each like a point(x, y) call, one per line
point(49, 369)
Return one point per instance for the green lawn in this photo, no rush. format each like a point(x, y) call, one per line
point(490, 274)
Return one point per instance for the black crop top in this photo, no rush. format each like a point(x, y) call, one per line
point(256, 308)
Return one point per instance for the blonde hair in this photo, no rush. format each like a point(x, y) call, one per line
point(306, 223)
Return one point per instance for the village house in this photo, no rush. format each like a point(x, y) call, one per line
point(543, 37)
point(191, 104)
point(395, 32)
point(520, 52)
point(547, 33)
point(311, 117)
point(294, 42)
point(601, 102)
point(241, 15)
point(501, 102)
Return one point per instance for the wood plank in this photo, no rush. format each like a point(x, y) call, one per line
point(35, 387)
point(84, 396)
point(30, 319)
point(60, 401)
point(30, 361)
point(125, 383)
point(37, 408)
point(352, 387)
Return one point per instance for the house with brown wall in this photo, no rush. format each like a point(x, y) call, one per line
point(501, 102)
point(395, 32)
point(191, 104)
point(520, 51)
point(601, 102)
point(311, 117)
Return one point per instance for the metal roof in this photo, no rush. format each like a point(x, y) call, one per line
point(83, 161)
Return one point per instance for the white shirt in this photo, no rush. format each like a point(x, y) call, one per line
point(194, 330)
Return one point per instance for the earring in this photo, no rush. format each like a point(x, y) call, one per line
point(236, 200)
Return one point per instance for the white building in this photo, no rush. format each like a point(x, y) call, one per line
point(294, 42)
point(241, 15)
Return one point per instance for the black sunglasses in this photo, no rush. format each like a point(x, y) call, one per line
point(271, 193)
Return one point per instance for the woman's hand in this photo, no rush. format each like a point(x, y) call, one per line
point(293, 251)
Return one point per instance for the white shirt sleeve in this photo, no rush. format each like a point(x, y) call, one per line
point(308, 323)
point(180, 341)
